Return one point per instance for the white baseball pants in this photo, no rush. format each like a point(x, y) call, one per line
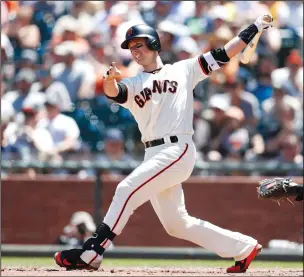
point(159, 179)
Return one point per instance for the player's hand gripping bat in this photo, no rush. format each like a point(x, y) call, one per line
point(262, 23)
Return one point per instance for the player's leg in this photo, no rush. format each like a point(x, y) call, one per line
point(151, 177)
point(173, 163)
point(170, 207)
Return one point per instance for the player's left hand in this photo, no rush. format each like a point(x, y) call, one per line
point(112, 73)
point(264, 22)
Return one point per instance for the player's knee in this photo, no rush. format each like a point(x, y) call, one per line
point(176, 228)
point(180, 226)
point(123, 191)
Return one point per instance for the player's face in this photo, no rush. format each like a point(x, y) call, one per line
point(140, 51)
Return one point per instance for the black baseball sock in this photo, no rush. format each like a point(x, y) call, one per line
point(102, 235)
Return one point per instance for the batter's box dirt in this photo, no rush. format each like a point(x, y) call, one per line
point(145, 271)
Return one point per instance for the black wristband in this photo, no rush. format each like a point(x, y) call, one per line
point(248, 34)
point(122, 95)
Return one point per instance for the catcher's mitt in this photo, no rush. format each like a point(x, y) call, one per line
point(279, 189)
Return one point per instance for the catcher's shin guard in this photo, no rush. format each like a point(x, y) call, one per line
point(241, 266)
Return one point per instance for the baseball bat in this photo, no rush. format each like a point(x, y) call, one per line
point(250, 48)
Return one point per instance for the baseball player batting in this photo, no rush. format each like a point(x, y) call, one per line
point(161, 100)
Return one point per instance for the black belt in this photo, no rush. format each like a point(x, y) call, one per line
point(157, 142)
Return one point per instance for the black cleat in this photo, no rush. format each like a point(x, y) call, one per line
point(70, 259)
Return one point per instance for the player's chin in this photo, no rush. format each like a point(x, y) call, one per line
point(139, 61)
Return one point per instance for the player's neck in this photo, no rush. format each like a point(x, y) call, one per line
point(158, 64)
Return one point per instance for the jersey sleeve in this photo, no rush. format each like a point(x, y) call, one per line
point(193, 70)
point(200, 67)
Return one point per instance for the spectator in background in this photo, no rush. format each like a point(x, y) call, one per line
point(279, 120)
point(200, 23)
point(219, 15)
point(28, 59)
point(22, 33)
point(209, 126)
point(2, 86)
point(67, 29)
point(101, 15)
point(114, 151)
point(158, 12)
point(280, 98)
point(32, 142)
point(296, 16)
point(97, 59)
point(233, 140)
point(181, 11)
point(79, 229)
point(262, 89)
point(289, 151)
point(44, 80)
point(44, 16)
point(7, 50)
point(169, 33)
point(8, 150)
point(113, 21)
point(47, 85)
point(4, 13)
point(238, 97)
point(76, 74)
point(63, 129)
point(270, 43)
point(7, 58)
point(23, 83)
point(289, 34)
point(186, 48)
point(57, 88)
point(291, 75)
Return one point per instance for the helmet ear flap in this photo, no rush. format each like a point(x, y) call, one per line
point(154, 45)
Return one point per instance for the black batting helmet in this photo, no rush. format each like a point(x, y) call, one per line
point(143, 31)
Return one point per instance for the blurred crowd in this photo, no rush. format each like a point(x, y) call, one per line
point(54, 56)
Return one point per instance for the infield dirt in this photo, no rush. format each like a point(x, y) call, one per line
point(145, 271)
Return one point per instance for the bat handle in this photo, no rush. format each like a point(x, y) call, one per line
point(250, 49)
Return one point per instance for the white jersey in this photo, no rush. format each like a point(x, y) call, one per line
point(162, 103)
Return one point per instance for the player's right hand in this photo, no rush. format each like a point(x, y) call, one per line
point(264, 22)
point(112, 73)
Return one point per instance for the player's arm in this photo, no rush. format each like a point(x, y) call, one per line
point(216, 58)
point(114, 90)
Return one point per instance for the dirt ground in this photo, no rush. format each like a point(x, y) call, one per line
point(145, 271)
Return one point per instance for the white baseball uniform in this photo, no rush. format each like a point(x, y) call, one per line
point(162, 105)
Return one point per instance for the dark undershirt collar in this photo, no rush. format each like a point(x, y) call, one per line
point(154, 71)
